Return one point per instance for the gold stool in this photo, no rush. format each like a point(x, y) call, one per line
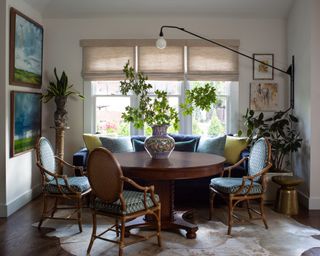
point(287, 199)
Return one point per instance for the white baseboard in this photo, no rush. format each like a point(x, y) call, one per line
point(311, 203)
point(16, 204)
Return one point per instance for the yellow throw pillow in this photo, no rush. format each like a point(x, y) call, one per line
point(233, 148)
point(92, 141)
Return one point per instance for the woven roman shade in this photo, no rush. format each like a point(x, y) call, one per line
point(165, 64)
point(211, 62)
point(104, 60)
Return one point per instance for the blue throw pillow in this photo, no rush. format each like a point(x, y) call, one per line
point(212, 145)
point(138, 145)
point(117, 144)
point(186, 146)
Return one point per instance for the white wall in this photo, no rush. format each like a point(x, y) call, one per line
point(22, 178)
point(2, 106)
point(314, 202)
point(63, 51)
point(303, 42)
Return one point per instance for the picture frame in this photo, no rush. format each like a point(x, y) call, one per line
point(25, 121)
point(260, 71)
point(25, 64)
point(264, 96)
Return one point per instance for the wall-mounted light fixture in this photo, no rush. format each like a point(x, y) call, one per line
point(161, 44)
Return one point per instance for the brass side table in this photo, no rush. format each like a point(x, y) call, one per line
point(287, 199)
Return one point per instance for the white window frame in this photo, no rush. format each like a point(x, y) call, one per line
point(232, 111)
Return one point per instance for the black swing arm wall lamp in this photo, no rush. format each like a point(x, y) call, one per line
point(161, 44)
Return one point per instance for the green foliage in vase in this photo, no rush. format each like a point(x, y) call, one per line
point(150, 111)
point(59, 88)
point(279, 130)
point(158, 111)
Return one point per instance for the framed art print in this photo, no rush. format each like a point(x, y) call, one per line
point(25, 120)
point(26, 50)
point(261, 71)
point(264, 96)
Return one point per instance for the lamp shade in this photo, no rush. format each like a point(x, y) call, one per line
point(161, 43)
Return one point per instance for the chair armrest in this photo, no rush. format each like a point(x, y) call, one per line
point(75, 168)
point(145, 189)
point(251, 178)
point(229, 168)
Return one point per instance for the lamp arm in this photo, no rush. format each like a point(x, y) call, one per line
point(224, 46)
point(290, 70)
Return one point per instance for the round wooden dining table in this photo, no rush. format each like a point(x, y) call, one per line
point(162, 173)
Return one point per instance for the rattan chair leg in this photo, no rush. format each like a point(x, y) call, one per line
point(262, 213)
point(79, 214)
point(159, 226)
point(94, 230)
point(248, 209)
point(211, 201)
point(117, 227)
point(121, 243)
point(44, 211)
point(54, 207)
point(230, 216)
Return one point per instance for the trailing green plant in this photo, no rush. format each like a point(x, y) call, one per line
point(59, 88)
point(279, 130)
point(202, 97)
point(157, 111)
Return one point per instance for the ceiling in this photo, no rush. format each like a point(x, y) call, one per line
point(220, 8)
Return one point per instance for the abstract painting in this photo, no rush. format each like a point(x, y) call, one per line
point(264, 96)
point(261, 71)
point(26, 46)
point(25, 121)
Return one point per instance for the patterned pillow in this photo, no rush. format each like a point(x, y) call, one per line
point(212, 145)
point(117, 144)
point(186, 146)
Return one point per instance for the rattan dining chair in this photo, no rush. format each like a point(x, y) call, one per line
point(251, 187)
point(110, 199)
point(58, 186)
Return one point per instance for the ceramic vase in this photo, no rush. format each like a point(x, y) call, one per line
point(159, 145)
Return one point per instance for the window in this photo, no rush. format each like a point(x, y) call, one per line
point(213, 122)
point(182, 65)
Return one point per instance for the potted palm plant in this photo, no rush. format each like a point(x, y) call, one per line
point(60, 91)
point(157, 113)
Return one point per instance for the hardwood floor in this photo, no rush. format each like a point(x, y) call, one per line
point(18, 237)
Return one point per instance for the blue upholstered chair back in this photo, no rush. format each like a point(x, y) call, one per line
point(259, 157)
point(46, 156)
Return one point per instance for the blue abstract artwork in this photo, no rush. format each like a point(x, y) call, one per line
point(25, 121)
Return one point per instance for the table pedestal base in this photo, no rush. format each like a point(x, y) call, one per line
point(178, 223)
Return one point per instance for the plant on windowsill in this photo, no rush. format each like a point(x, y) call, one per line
point(157, 113)
point(279, 130)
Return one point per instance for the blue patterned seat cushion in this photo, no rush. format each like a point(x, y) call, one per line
point(79, 184)
point(231, 185)
point(133, 200)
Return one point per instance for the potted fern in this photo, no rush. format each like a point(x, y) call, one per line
point(157, 113)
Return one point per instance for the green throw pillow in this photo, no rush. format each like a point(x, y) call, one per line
point(233, 148)
point(138, 145)
point(117, 144)
point(92, 141)
point(212, 145)
point(186, 146)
